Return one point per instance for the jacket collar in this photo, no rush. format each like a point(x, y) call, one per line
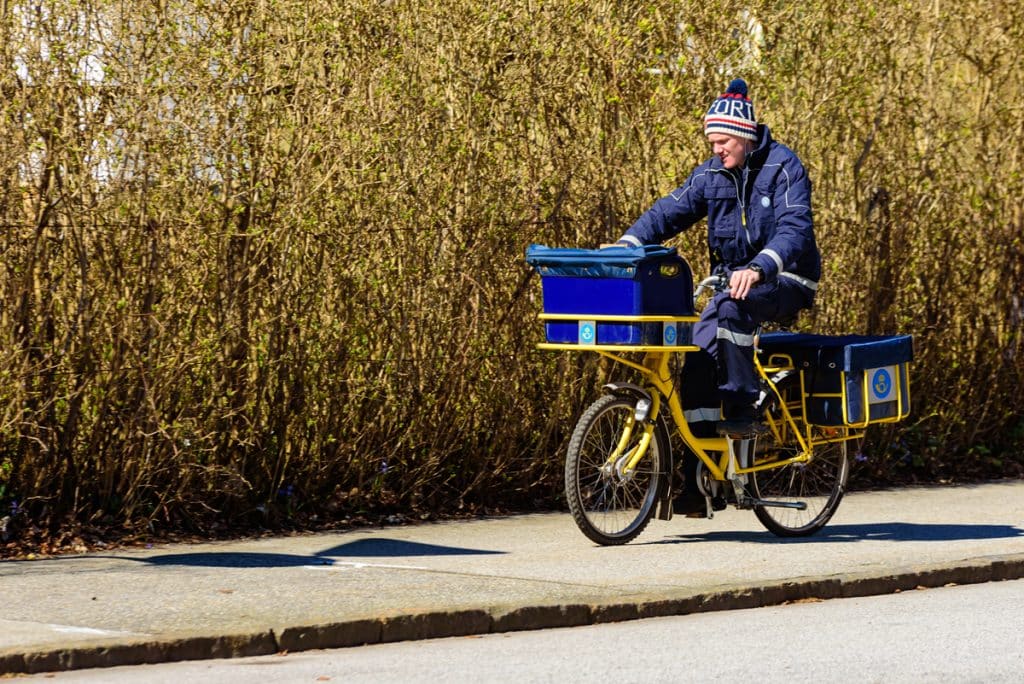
point(759, 154)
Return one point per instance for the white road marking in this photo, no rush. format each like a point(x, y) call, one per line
point(68, 629)
point(348, 565)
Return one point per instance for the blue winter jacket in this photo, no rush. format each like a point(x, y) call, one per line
point(759, 214)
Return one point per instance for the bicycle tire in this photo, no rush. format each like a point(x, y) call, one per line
point(820, 483)
point(608, 507)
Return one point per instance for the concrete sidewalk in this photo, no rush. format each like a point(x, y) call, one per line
point(328, 590)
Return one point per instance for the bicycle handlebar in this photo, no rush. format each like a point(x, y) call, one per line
point(718, 283)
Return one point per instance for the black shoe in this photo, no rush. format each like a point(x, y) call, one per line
point(741, 428)
point(690, 505)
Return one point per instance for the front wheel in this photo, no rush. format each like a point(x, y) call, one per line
point(819, 483)
point(611, 505)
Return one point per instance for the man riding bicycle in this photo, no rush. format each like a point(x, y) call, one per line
point(756, 197)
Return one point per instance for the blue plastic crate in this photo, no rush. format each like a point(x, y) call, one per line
point(618, 281)
point(849, 380)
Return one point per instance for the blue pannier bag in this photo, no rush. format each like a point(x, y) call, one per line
point(848, 380)
point(620, 281)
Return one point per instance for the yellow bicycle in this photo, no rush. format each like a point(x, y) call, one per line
point(817, 395)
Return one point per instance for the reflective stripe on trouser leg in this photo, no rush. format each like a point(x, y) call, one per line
point(739, 339)
point(698, 415)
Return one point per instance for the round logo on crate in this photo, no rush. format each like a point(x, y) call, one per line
point(881, 383)
point(670, 334)
point(586, 332)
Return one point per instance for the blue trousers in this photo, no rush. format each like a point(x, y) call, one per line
point(720, 378)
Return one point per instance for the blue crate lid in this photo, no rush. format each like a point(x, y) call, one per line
point(849, 352)
point(610, 262)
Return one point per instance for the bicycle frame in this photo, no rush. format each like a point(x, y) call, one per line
point(660, 383)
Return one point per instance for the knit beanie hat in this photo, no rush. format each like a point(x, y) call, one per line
point(732, 113)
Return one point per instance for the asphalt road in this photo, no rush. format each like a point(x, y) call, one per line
point(956, 634)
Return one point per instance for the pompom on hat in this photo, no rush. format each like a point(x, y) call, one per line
point(732, 113)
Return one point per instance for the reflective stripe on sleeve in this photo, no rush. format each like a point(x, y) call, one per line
point(774, 256)
point(806, 282)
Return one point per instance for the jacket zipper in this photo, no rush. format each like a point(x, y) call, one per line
point(743, 204)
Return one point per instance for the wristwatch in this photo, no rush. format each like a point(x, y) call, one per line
point(756, 268)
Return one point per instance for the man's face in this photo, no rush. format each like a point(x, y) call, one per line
point(729, 148)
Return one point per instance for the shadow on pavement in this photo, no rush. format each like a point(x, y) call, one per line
point(363, 548)
point(396, 548)
point(234, 559)
point(897, 532)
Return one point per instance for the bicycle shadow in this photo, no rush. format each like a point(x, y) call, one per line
point(892, 531)
point(365, 549)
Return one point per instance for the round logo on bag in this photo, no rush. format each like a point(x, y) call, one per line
point(881, 384)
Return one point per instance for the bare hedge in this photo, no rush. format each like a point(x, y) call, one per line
point(263, 259)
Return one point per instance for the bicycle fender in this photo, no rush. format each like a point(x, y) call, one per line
point(627, 389)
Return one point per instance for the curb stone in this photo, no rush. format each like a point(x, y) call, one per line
point(354, 633)
point(139, 653)
point(439, 624)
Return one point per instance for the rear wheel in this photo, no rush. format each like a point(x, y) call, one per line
point(819, 483)
point(611, 506)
